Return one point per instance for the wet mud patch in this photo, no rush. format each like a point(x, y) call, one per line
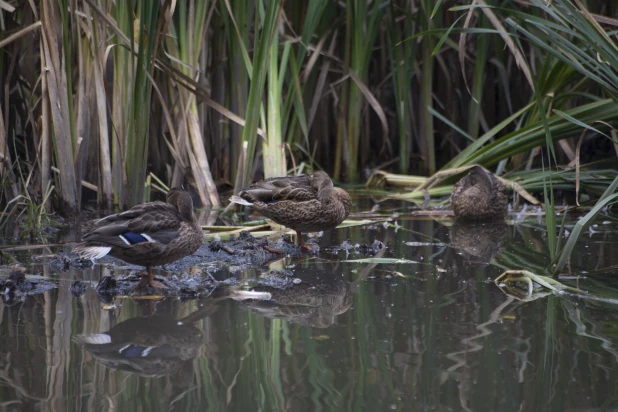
point(188, 278)
point(245, 252)
point(185, 286)
point(15, 286)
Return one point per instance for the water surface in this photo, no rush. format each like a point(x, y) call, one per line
point(431, 333)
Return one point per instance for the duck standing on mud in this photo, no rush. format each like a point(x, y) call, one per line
point(305, 203)
point(149, 234)
point(479, 196)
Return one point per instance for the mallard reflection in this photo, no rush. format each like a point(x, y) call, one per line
point(476, 243)
point(313, 302)
point(312, 299)
point(148, 346)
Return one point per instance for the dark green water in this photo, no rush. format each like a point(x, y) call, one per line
point(434, 335)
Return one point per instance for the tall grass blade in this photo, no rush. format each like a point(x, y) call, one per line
point(272, 147)
point(579, 227)
point(263, 41)
point(139, 120)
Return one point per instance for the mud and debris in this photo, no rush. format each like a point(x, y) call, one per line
point(278, 279)
point(56, 262)
point(184, 286)
point(241, 253)
point(187, 278)
point(244, 252)
point(16, 286)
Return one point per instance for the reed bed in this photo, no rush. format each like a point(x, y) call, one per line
point(99, 95)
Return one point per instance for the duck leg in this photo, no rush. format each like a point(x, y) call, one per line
point(149, 281)
point(271, 250)
point(302, 243)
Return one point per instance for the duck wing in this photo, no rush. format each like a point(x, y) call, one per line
point(293, 188)
point(135, 212)
point(150, 222)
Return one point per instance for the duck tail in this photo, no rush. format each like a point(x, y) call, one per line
point(92, 252)
point(240, 201)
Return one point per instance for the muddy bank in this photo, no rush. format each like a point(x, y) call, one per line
point(187, 278)
point(191, 276)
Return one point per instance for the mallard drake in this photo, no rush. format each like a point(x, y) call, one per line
point(149, 234)
point(305, 203)
point(479, 196)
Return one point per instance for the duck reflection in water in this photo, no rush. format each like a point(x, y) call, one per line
point(475, 244)
point(148, 346)
point(306, 298)
point(479, 202)
point(316, 301)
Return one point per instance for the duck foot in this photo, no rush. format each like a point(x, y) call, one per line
point(264, 244)
point(272, 250)
point(305, 246)
point(148, 280)
point(144, 283)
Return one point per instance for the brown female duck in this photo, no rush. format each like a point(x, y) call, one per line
point(149, 234)
point(305, 203)
point(479, 196)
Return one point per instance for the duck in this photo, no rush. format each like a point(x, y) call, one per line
point(479, 196)
point(304, 203)
point(149, 234)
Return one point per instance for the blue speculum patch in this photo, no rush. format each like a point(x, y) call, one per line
point(134, 238)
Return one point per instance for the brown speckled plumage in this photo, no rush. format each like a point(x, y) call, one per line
point(479, 196)
point(306, 203)
point(171, 230)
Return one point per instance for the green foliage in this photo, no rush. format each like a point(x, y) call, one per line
point(33, 211)
point(139, 119)
point(274, 86)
